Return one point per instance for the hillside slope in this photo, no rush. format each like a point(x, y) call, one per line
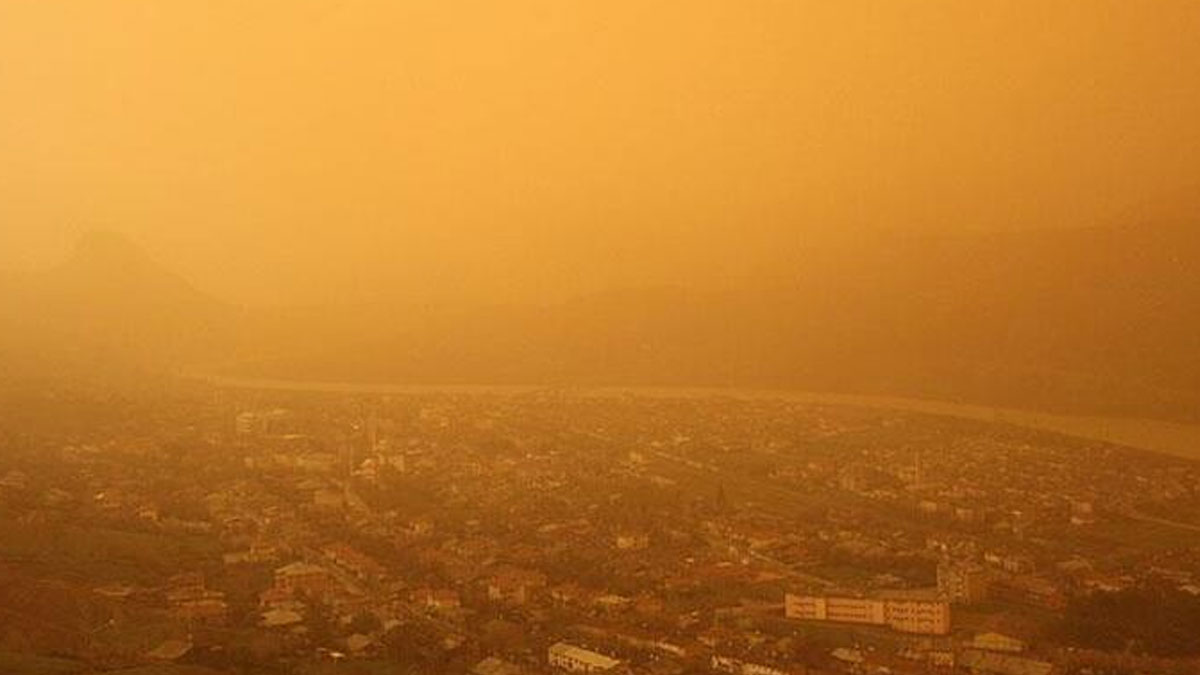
point(1096, 320)
point(108, 309)
point(1099, 320)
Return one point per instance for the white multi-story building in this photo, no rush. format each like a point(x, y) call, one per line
point(904, 613)
point(840, 610)
point(924, 616)
point(962, 582)
point(579, 660)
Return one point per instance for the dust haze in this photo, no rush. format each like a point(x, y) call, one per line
point(324, 152)
point(647, 338)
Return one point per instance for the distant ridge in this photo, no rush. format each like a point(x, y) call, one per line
point(109, 308)
point(108, 246)
point(110, 270)
point(1097, 321)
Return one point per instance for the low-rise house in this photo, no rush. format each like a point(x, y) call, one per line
point(996, 642)
point(575, 659)
point(280, 618)
point(514, 586)
point(355, 562)
point(494, 666)
point(632, 542)
point(437, 598)
point(301, 577)
point(725, 664)
point(980, 662)
point(212, 610)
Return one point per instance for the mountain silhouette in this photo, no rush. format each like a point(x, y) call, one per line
point(108, 308)
point(1098, 320)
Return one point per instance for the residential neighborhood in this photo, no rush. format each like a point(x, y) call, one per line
point(542, 531)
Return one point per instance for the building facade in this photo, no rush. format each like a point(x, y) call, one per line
point(839, 610)
point(962, 582)
point(906, 614)
point(579, 660)
point(917, 615)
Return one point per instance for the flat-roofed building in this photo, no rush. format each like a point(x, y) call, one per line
point(495, 666)
point(997, 642)
point(302, 577)
point(962, 582)
point(991, 663)
point(579, 660)
point(839, 610)
point(924, 616)
point(907, 613)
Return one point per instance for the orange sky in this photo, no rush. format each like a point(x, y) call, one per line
point(308, 151)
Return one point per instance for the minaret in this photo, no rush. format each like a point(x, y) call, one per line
point(348, 449)
point(373, 439)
